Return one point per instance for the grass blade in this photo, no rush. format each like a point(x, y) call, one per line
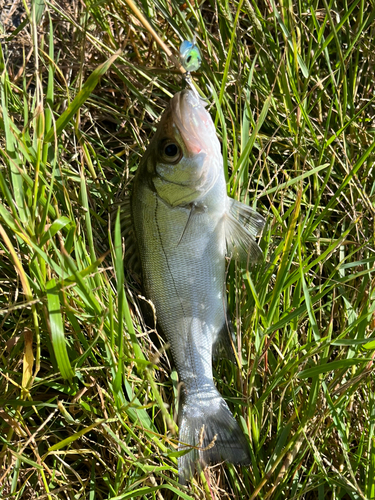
point(57, 331)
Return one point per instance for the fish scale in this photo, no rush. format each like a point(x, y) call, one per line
point(185, 224)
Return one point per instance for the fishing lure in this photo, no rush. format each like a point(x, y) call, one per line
point(190, 55)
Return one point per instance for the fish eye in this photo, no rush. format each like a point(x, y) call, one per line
point(171, 152)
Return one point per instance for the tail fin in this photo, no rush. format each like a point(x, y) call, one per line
point(214, 434)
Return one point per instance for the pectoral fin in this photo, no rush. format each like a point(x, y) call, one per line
point(242, 224)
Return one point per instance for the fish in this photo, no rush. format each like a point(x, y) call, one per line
point(185, 226)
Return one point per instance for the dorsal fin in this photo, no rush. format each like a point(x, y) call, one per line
point(131, 258)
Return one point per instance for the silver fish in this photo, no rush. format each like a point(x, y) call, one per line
point(185, 225)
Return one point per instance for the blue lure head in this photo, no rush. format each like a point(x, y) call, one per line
point(190, 55)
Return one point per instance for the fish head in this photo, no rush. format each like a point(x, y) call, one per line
point(184, 158)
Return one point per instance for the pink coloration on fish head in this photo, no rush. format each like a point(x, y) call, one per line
point(186, 128)
point(194, 124)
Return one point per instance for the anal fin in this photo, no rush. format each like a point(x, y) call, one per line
point(224, 344)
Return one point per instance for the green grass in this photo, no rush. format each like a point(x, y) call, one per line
point(87, 390)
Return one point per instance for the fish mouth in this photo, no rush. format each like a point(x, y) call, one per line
point(193, 122)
